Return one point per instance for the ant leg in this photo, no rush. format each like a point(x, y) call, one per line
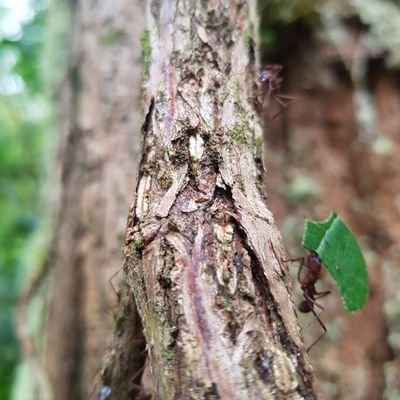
point(300, 269)
point(312, 303)
point(142, 393)
point(117, 292)
point(259, 100)
point(311, 300)
point(290, 99)
point(322, 326)
point(282, 103)
point(279, 98)
point(301, 259)
point(276, 256)
point(319, 295)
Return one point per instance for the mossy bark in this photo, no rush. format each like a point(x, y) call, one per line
point(202, 255)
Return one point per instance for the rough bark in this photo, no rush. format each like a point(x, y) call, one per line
point(97, 159)
point(202, 255)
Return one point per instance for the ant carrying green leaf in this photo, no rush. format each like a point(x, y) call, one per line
point(332, 244)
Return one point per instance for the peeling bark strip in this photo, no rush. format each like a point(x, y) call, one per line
point(201, 244)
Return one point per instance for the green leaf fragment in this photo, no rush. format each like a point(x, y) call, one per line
point(340, 252)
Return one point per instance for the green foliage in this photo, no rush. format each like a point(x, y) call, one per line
point(24, 53)
point(288, 12)
point(23, 116)
point(281, 21)
point(340, 252)
point(20, 171)
point(21, 143)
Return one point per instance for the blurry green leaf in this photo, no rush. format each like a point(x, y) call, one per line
point(340, 252)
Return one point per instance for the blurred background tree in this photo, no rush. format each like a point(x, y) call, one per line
point(337, 148)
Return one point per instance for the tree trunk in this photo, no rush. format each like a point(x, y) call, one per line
point(99, 146)
point(203, 256)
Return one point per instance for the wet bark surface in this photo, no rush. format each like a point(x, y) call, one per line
point(203, 256)
point(97, 160)
point(323, 155)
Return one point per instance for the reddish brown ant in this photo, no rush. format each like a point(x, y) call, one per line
point(308, 275)
point(270, 88)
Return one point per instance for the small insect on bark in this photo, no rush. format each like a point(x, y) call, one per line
point(307, 276)
point(270, 81)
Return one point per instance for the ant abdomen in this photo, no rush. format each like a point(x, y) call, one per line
point(304, 307)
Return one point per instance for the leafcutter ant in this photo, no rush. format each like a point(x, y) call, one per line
point(308, 275)
point(270, 82)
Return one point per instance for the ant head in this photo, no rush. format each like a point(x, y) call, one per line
point(314, 260)
point(304, 307)
point(264, 75)
point(269, 72)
